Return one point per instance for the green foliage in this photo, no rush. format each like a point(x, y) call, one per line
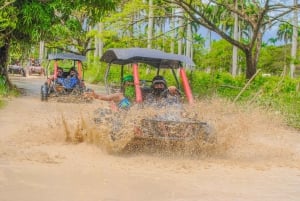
point(3, 86)
point(35, 19)
point(277, 93)
point(8, 21)
point(222, 84)
point(272, 59)
point(4, 90)
point(219, 58)
point(95, 72)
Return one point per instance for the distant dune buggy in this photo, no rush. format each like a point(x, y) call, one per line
point(66, 84)
point(16, 69)
point(35, 67)
point(169, 123)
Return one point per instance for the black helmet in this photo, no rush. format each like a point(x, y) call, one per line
point(158, 79)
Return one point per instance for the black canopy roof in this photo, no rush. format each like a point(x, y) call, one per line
point(70, 56)
point(156, 58)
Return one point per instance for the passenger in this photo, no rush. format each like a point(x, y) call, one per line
point(121, 99)
point(66, 79)
point(71, 80)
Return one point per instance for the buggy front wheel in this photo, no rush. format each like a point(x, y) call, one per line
point(44, 92)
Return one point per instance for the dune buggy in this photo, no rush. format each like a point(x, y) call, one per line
point(64, 85)
point(169, 122)
point(35, 67)
point(16, 69)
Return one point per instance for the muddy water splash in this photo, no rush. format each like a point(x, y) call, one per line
point(243, 135)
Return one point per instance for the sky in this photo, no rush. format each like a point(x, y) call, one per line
point(269, 33)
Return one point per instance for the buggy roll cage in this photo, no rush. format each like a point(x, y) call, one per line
point(67, 56)
point(155, 58)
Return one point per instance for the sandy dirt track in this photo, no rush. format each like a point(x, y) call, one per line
point(257, 157)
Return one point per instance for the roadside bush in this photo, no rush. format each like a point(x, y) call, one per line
point(3, 87)
point(3, 90)
point(276, 93)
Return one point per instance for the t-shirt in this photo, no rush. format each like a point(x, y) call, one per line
point(129, 92)
point(68, 83)
point(124, 104)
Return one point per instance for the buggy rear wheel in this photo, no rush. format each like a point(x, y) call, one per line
point(23, 72)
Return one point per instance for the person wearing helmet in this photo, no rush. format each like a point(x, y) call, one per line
point(122, 99)
point(161, 94)
point(159, 88)
point(159, 85)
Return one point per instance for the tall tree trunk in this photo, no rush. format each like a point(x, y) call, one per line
point(252, 56)
point(3, 63)
point(235, 48)
point(150, 24)
point(98, 42)
point(96, 52)
point(180, 29)
point(257, 49)
point(294, 41)
point(41, 52)
point(250, 63)
point(101, 44)
point(189, 38)
point(172, 26)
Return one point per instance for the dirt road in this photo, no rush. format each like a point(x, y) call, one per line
point(257, 157)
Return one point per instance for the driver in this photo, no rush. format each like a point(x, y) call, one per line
point(59, 77)
point(159, 87)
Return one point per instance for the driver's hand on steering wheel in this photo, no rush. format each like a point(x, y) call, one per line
point(173, 90)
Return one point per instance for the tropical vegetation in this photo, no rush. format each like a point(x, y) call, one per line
point(224, 64)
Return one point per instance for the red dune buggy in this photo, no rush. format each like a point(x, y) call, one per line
point(16, 69)
point(64, 82)
point(169, 122)
point(35, 67)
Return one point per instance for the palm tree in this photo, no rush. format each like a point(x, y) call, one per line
point(294, 40)
point(150, 24)
point(284, 33)
point(236, 37)
point(273, 40)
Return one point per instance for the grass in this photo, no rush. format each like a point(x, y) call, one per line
point(5, 92)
